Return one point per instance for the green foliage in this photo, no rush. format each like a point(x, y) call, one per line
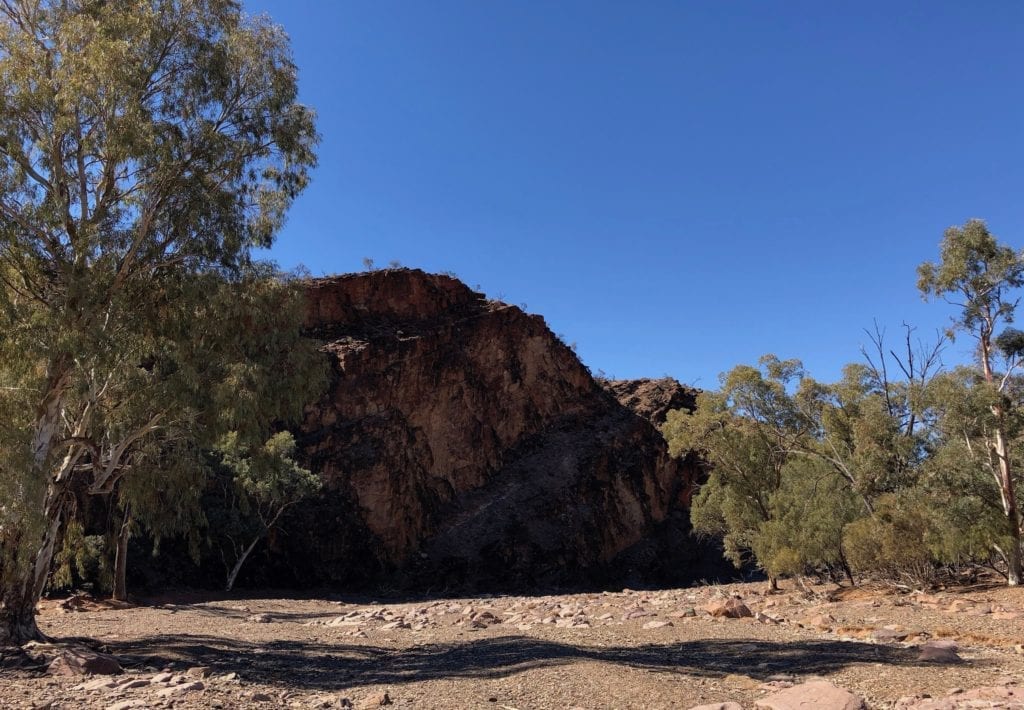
point(146, 146)
point(980, 276)
point(895, 470)
point(748, 432)
point(899, 542)
point(268, 477)
point(83, 561)
point(977, 273)
point(264, 482)
point(809, 511)
point(863, 429)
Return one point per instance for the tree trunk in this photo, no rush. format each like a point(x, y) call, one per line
point(121, 559)
point(1007, 491)
point(25, 583)
point(18, 619)
point(846, 566)
point(1009, 499)
point(233, 575)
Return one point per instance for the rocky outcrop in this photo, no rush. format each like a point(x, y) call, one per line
point(653, 399)
point(462, 443)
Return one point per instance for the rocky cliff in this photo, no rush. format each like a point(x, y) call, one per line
point(461, 443)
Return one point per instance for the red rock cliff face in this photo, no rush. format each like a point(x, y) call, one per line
point(462, 442)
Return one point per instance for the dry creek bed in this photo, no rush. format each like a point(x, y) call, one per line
point(677, 648)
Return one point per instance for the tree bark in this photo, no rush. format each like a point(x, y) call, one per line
point(1004, 474)
point(233, 574)
point(121, 559)
point(18, 620)
point(23, 584)
point(1009, 498)
point(846, 566)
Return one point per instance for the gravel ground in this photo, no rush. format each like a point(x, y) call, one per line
point(630, 649)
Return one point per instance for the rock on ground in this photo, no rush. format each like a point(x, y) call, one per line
point(818, 694)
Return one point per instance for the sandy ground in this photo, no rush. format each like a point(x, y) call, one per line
point(631, 649)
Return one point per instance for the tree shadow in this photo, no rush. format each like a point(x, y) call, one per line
point(320, 666)
point(241, 612)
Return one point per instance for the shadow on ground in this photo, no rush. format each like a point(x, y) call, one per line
point(319, 666)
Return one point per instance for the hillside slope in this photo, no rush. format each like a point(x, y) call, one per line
point(462, 444)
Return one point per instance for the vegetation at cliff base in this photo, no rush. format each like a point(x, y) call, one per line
point(903, 469)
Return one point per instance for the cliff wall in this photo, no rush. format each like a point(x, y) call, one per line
point(462, 444)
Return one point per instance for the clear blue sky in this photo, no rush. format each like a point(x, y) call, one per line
point(677, 187)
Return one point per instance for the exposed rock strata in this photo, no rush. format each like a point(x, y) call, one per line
point(653, 399)
point(462, 442)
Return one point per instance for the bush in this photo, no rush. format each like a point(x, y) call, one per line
point(893, 544)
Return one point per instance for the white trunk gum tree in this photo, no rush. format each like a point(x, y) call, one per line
point(979, 276)
point(144, 144)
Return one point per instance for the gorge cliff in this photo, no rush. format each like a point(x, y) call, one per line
point(461, 443)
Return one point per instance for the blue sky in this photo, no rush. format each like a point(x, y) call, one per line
point(678, 187)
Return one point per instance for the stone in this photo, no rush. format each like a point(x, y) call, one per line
point(129, 704)
point(732, 608)
point(344, 621)
point(682, 613)
point(657, 624)
point(888, 635)
point(259, 618)
point(80, 661)
point(99, 684)
point(822, 622)
point(375, 701)
point(133, 683)
point(737, 680)
point(939, 651)
point(180, 689)
point(817, 694)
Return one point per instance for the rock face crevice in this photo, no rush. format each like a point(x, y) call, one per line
point(462, 443)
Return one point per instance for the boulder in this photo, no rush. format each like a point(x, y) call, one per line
point(817, 694)
point(732, 608)
point(81, 661)
point(939, 651)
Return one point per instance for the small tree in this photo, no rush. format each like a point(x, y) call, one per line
point(266, 482)
point(746, 432)
point(979, 276)
point(808, 513)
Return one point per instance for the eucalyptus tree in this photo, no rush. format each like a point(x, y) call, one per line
point(871, 427)
point(980, 277)
point(146, 146)
point(266, 481)
point(748, 431)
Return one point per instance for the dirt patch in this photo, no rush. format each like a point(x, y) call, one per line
point(598, 650)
